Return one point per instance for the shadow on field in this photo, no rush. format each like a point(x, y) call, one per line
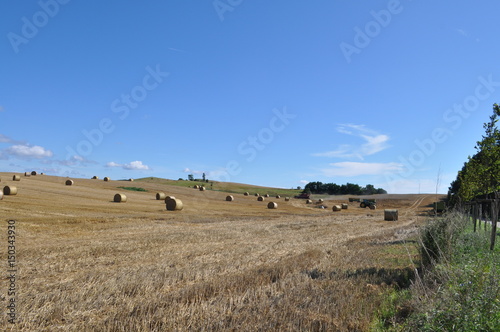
point(401, 278)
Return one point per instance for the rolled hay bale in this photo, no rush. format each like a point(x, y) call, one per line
point(10, 190)
point(174, 204)
point(95, 177)
point(169, 197)
point(196, 186)
point(131, 180)
point(373, 207)
point(266, 195)
point(257, 195)
point(345, 206)
point(320, 200)
point(202, 188)
point(161, 196)
point(106, 179)
point(33, 173)
point(27, 174)
point(278, 196)
point(229, 198)
point(287, 199)
point(260, 198)
point(337, 208)
point(120, 198)
point(246, 193)
point(16, 178)
point(1, 195)
point(272, 205)
point(309, 201)
point(390, 215)
point(69, 182)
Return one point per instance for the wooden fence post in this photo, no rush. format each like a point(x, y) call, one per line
point(494, 219)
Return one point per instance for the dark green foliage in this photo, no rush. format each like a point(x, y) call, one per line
point(133, 188)
point(318, 187)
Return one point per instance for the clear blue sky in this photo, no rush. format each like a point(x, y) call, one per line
point(276, 93)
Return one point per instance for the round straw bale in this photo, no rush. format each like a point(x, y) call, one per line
point(373, 207)
point(202, 188)
point(1, 195)
point(95, 177)
point(345, 206)
point(246, 193)
point(33, 173)
point(266, 195)
point(174, 204)
point(69, 182)
point(257, 195)
point(278, 196)
point(229, 198)
point(196, 186)
point(260, 199)
point(131, 180)
point(287, 199)
point(169, 197)
point(390, 215)
point(120, 198)
point(272, 205)
point(309, 201)
point(160, 196)
point(337, 208)
point(106, 179)
point(320, 200)
point(16, 178)
point(10, 190)
point(27, 174)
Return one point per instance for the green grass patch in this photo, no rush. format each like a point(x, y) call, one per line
point(133, 188)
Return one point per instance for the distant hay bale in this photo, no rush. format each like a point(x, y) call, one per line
point(257, 195)
point(169, 197)
point(1, 195)
point(390, 215)
point(174, 204)
point(246, 193)
point(16, 178)
point(196, 186)
point(69, 182)
point(337, 208)
point(345, 206)
point(287, 199)
point(202, 188)
point(27, 174)
point(95, 177)
point(229, 198)
point(260, 199)
point(42, 173)
point(160, 196)
point(320, 200)
point(272, 205)
point(309, 201)
point(10, 190)
point(373, 206)
point(120, 198)
point(278, 196)
point(33, 173)
point(106, 179)
point(266, 195)
point(131, 180)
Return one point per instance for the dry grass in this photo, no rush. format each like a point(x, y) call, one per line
point(90, 265)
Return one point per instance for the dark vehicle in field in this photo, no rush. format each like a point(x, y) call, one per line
point(303, 196)
point(371, 203)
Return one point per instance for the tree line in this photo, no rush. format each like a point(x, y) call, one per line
point(480, 175)
point(344, 189)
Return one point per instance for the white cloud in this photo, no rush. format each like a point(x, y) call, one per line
point(189, 170)
point(356, 169)
point(133, 166)
point(373, 143)
point(304, 181)
point(28, 152)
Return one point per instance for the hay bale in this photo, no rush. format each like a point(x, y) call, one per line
point(120, 198)
point(69, 182)
point(160, 196)
point(16, 178)
point(1, 195)
point(202, 188)
point(345, 206)
point(390, 215)
point(10, 190)
point(33, 173)
point(320, 200)
point(229, 198)
point(309, 201)
point(95, 177)
point(27, 174)
point(174, 204)
point(196, 186)
point(337, 208)
point(373, 207)
point(278, 196)
point(169, 197)
point(257, 195)
point(246, 193)
point(106, 179)
point(272, 205)
point(287, 199)
point(266, 195)
point(131, 180)
point(260, 199)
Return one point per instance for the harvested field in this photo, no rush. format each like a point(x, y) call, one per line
point(86, 263)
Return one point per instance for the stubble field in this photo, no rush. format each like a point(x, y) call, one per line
point(86, 263)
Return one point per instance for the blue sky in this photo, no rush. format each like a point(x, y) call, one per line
point(276, 93)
